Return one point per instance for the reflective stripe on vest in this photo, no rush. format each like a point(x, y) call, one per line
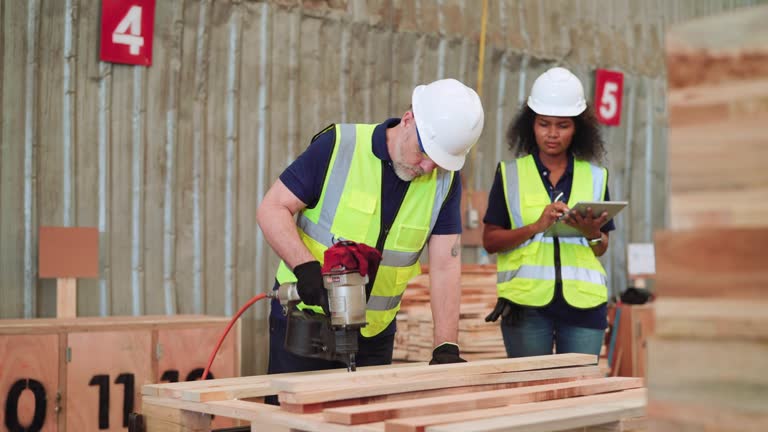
point(316, 225)
point(526, 273)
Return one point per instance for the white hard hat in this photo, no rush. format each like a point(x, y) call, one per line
point(557, 92)
point(449, 117)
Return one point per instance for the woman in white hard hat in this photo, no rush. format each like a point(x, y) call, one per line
point(551, 290)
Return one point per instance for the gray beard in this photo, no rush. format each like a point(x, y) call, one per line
point(404, 173)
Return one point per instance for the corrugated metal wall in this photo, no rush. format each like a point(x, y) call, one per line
point(170, 161)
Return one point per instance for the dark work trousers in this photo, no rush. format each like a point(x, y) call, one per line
point(372, 351)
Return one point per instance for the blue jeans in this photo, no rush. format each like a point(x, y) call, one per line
point(534, 334)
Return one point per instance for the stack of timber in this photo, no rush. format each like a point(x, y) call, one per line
point(477, 338)
point(707, 361)
point(546, 393)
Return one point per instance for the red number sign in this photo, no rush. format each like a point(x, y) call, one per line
point(126, 31)
point(609, 86)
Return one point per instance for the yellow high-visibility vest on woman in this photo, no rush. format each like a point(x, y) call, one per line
point(349, 208)
point(526, 274)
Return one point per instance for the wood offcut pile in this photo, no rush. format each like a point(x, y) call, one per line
point(707, 363)
point(477, 338)
point(546, 393)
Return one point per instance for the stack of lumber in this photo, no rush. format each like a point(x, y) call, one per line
point(477, 338)
point(546, 393)
point(707, 362)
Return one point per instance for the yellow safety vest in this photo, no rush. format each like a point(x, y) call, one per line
point(349, 208)
point(526, 274)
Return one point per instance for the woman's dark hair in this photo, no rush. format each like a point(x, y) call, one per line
point(587, 144)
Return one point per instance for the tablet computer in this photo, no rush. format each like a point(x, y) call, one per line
point(561, 229)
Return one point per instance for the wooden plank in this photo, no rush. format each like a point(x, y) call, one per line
point(165, 419)
point(723, 373)
point(709, 318)
point(66, 297)
point(438, 392)
point(15, 106)
point(481, 400)
point(386, 377)
point(684, 266)
point(420, 423)
point(27, 376)
point(707, 50)
point(87, 79)
point(259, 414)
point(352, 390)
point(553, 420)
point(705, 417)
point(235, 388)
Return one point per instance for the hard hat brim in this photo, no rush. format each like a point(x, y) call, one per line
point(556, 111)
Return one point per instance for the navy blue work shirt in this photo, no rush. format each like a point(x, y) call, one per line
point(497, 214)
point(306, 175)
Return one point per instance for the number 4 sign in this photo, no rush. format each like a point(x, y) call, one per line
point(126, 31)
point(609, 87)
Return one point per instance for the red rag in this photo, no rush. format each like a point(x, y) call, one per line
point(352, 256)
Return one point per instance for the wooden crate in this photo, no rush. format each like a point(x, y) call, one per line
point(636, 325)
point(85, 374)
point(545, 393)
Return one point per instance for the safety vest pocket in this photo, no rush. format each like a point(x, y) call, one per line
point(411, 238)
point(358, 214)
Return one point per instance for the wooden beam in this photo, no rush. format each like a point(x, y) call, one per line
point(691, 416)
point(66, 297)
point(594, 372)
point(341, 391)
point(447, 404)
point(687, 317)
point(388, 377)
point(684, 266)
point(553, 420)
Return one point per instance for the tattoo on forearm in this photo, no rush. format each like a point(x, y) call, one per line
point(456, 247)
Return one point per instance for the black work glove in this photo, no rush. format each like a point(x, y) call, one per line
point(309, 284)
point(446, 353)
point(508, 311)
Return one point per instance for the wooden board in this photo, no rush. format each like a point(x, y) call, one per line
point(717, 93)
point(420, 423)
point(481, 400)
point(29, 381)
point(680, 416)
point(505, 381)
point(710, 318)
point(722, 262)
point(723, 373)
point(561, 419)
point(404, 378)
point(104, 366)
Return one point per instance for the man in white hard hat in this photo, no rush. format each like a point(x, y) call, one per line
point(393, 186)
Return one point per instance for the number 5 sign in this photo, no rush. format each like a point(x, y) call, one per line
point(609, 86)
point(126, 31)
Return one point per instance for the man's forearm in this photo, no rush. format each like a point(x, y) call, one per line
point(279, 229)
point(445, 290)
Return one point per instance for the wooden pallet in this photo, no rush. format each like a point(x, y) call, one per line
point(546, 393)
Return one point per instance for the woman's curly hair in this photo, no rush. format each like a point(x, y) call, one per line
point(587, 143)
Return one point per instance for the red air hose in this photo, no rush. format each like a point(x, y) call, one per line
point(226, 331)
